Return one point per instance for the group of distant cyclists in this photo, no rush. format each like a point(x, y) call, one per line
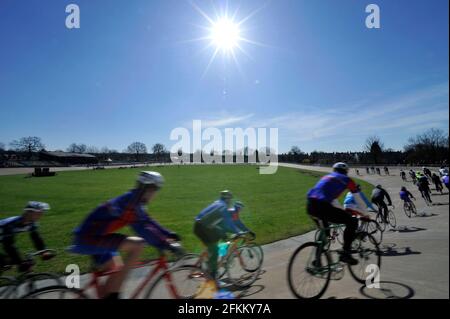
point(97, 235)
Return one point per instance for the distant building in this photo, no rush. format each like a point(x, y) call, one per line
point(68, 158)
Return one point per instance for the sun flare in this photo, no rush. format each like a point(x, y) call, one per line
point(225, 34)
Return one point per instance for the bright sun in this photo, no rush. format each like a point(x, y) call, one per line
point(225, 34)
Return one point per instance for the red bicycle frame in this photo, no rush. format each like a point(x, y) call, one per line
point(161, 265)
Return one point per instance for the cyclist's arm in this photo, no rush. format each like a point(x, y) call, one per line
point(10, 247)
point(153, 233)
point(227, 222)
point(36, 238)
point(388, 197)
point(410, 194)
point(366, 201)
point(353, 187)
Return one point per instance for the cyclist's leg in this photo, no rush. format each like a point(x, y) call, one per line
point(133, 247)
point(210, 240)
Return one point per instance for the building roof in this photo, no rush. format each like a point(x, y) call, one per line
point(64, 154)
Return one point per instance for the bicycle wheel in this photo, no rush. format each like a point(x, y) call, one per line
point(184, 282)
point(309, 275)
point(391, 218)
point(236, 266)
point(407, 209)
point(259, 252)
point(380, 221)
point(374, 229)
point(34, 281)
point(8, 287)
point(367, 253)
point(56, 292)
point(413, 208)
point(252, 255)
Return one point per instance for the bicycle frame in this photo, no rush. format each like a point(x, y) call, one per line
point(161, 265)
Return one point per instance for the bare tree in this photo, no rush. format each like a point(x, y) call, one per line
point(429, 147)
point(77, 148)
point(28, 144)
point(137, 148)
point(375, 147)
point(159, 150)
point(92, 150)
point(295, 150)
point(2, 147)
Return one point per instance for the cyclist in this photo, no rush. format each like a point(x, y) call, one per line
point(27, 222)
point(406, 195)
point(235, 216)
point(352, 207)
point(212, 225)
point(322, 204)
point(386, 170)
point(379, 194)
point(403, 175)
point(367, 170)
point(443, 171)
point(424, 186)
point(413, 176)
point(378, 171)
point(445, 180)
point(437, 182)
point(427, 172)
point(96, 235)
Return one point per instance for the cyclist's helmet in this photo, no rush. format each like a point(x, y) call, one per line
point(146, 179)
point(341, 168)
point(239, 205)
point(403, 189)
point(226, 195)
point(379, 186)
point(37, 207)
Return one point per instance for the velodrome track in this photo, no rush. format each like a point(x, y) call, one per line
point(415, 262)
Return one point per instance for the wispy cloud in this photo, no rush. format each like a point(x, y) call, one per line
point(223, 120)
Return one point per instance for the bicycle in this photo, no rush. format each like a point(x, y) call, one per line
point(391, 219)
point(169, 283)
point(25, 283)
point(240, 265)
point(409, 208)
point(426, 196)
point(315, 261)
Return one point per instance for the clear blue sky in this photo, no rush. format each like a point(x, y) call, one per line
point(130, 73)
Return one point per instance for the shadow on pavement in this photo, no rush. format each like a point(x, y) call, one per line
point(426, 215)
point(253, 290)
point(393, 252)
point(407, 229)
point(388, 290)
point(441, 204)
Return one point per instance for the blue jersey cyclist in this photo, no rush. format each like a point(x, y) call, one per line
point(27, 222)
point(406, 195)
point(96, 235)
point(355, 208)
point(212, 225)
point(322, 204)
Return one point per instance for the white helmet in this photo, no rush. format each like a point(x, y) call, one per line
point(341, 168)
point(37, 207)
point(151, 178)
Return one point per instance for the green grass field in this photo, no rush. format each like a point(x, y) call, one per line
point(275, 204)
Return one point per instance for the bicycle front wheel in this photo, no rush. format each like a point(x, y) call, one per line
point(367, 253)
point(309, 274)
point(55, 292)
point(407, 209)
point(242, 269)
point(380, 221)
point(392, 219)
point(184, 282)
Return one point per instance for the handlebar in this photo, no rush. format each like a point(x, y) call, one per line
point(40, 253)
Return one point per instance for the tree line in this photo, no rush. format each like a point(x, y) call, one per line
point(430, 147)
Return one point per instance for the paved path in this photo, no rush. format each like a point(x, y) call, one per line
point(418, 265)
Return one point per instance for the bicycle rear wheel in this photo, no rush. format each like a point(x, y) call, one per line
point(380, 221)
point(56, 292)
point(308, 274)
point(367, 253)
point(407, 209)
point(8, 287)
point(184, 282)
